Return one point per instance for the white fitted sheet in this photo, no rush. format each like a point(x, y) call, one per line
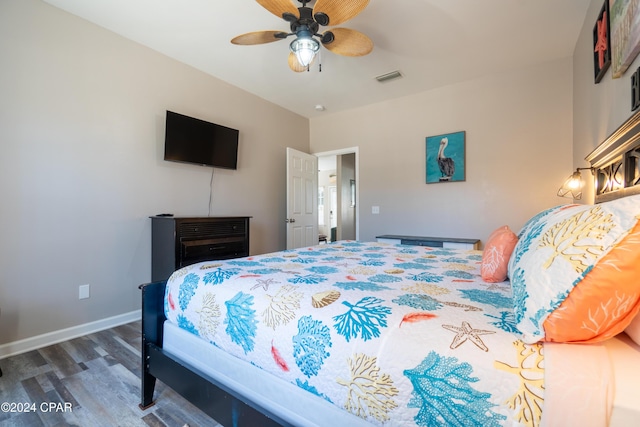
point(625, 360)
point(579, 386)
point(291, 403)
point(592, 384)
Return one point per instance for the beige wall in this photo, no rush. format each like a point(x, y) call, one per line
point(81, 168)
point(598, 109)
point(518, 151)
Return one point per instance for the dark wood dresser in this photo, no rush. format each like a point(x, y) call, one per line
point(180, 241)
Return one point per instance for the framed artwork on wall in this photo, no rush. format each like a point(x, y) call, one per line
point(601, 43)
point(624, 18)
point(445, 157)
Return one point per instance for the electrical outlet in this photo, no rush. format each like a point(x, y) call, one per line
point(84, 291)
point(375, 210)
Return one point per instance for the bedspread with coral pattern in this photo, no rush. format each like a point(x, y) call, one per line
point(398, 335)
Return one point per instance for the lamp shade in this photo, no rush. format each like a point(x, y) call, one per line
point(304, 47)
point(572, 187)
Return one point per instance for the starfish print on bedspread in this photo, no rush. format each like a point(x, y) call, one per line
point(466, 332)
point(264, 283)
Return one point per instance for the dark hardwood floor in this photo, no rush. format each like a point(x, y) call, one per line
point(93, 380)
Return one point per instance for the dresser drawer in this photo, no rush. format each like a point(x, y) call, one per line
point(422, 242)
point(193, 251)
point(203, 229)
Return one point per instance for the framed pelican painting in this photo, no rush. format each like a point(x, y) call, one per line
point(445, 157)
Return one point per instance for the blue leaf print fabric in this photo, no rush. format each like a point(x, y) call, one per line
point(414, 265)
point(339, 320)
point(426, 277)
point(186, 324)
point(364, 318)
point(310, 345)
point(240, 321)
point(363, 286)
point(494, 298)
point(505, 320)
point(311, 389)
point(422, 302)
point(308, 279)
point(218, 276)
point(187, 290)
point(444, 394)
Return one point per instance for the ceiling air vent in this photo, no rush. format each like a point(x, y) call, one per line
point(389, 76)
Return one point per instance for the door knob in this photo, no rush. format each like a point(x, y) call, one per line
point(290, 220)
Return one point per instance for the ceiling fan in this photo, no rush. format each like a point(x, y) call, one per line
point(305, 23)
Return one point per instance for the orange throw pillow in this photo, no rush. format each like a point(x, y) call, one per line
point(496, 254)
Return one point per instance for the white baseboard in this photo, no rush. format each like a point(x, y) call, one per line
point(33, 343)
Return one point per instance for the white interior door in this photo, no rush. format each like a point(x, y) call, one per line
point(302, 199)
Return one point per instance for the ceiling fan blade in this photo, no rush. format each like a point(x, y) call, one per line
point(278, 7)
point(339, 11)
point(257, 37)
point(348, 42)
point(294, 64)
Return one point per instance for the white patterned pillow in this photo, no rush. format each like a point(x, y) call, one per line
point(575, 272)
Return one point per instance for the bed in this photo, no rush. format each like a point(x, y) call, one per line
point(367, 333)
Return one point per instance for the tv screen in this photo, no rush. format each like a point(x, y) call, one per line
point(192, 140)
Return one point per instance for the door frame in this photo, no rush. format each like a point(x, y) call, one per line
point(351, 150)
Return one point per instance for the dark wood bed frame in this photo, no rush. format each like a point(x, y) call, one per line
point(226, 406)
point(616, 167)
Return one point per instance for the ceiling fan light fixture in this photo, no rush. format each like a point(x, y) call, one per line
point(304, 47)
point(304, 24)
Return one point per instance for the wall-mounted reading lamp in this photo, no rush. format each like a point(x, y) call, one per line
point(572, 187)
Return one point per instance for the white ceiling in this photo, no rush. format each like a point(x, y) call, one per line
point(431, 42)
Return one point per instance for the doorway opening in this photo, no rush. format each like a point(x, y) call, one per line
point(338, 195)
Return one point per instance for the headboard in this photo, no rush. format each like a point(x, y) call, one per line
point(616, 162)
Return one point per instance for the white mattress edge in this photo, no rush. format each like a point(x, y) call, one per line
point(578, 385)
point(592, 384)
point(625, 361)
point(615, 365)
point(294, 405)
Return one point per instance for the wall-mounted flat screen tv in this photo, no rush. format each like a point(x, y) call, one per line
point(192, 140)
